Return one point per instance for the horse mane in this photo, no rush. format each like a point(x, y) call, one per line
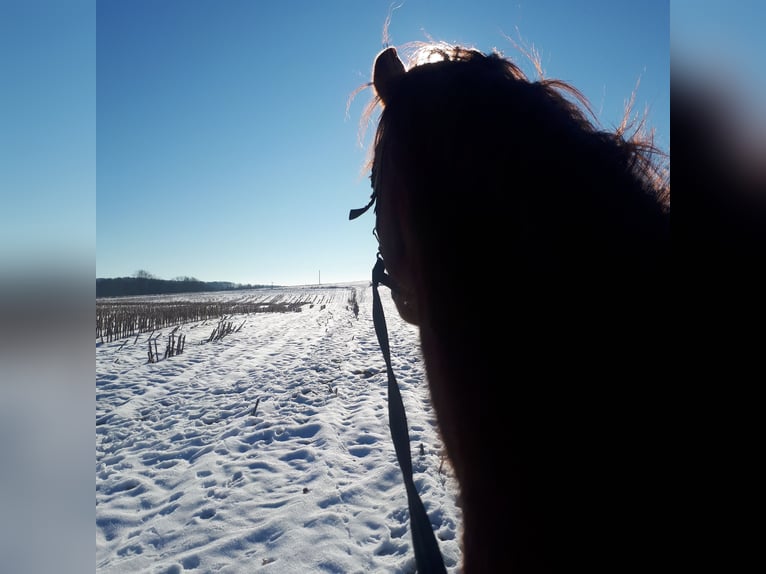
point(647, 161)
point(473, 135)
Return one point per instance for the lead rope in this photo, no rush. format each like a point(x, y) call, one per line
point(427, 555)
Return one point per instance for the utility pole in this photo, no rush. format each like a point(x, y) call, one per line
point(320, 277)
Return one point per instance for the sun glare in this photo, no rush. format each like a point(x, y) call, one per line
point(427, 56)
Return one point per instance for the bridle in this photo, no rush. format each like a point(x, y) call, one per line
point(427, 555)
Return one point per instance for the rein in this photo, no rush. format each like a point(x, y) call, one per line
point(428, 558)
point(427, 555)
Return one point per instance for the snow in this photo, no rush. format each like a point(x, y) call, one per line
point(191, 475)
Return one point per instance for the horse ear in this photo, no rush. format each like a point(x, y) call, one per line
point(388, 67)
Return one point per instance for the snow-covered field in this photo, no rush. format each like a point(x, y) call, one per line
point(268, 450)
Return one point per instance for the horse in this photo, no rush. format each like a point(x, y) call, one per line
point(532, 251)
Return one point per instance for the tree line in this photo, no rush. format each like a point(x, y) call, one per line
point(126, 286)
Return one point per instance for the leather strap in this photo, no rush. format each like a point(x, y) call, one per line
point(427, 555)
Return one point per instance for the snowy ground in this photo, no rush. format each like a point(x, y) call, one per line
point(188, 478)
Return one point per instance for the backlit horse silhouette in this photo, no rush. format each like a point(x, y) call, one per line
point(531, 249)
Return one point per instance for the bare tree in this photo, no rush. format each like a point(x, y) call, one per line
point(143, 274)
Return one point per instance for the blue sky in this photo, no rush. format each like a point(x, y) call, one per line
point(723, 44)
point(210, 137)
point(47, 134)
point(224, 150)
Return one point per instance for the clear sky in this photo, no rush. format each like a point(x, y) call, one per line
point(224, 147)
point(47, 135)
point(723, 44)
